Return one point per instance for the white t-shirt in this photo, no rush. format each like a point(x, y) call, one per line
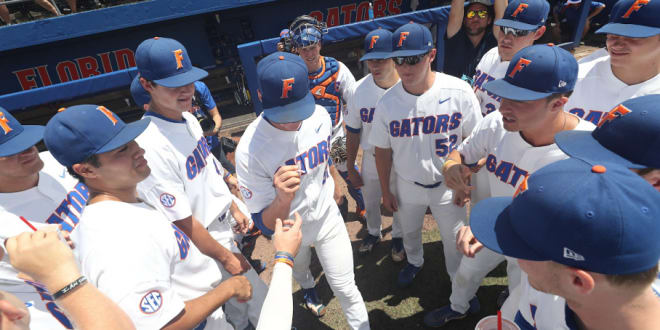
point(422, 130)
point(143, 262)
point(490, 67)
point(264, 149)
point(360, 109)
point(58, 199)
point(598, 90)
point(185, 176)
point(509, 157)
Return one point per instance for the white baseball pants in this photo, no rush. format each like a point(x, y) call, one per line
point(372, 195)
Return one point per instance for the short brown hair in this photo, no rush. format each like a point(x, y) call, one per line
point(642, 279)
point(92, 160)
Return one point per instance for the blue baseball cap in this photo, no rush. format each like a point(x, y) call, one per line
point(411, 39)
point(284, 88)
point(80, 131)
point(140, 96)
point(377, 45)
point(634, 18)
point(525, 14)
point(536, 72)
point(595, 218)
point(166, 62)
point(628, 135)
point(14, 137)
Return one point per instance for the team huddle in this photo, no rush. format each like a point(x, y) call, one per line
point(549, 163)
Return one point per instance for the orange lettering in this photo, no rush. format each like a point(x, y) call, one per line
point(4, 123)
point(522, 63)
point(402, 37)
point(373, 41)
point(519, 10)
point(637, 5)
point(108, 114)
point(178, 55)
point(619, 111)
point(287, 85)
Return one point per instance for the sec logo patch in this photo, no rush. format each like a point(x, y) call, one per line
point(151, 302)
point(245, 192)
point(167, 200)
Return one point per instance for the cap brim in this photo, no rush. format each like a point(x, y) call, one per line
point(629, 30)
point(376, 56)
point(490, 223)
point(126, 135)
point(516, 24)
point(582, 145)
point(504, 89)
point(30, 136)
point(183, 79)
point(408, 52)
point(292, 112)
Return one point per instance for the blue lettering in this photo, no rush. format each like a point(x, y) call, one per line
point(517, 174)
point(455, 120)
point(490, 108)
point(577, 111)
point(54, 310)
point(191, 168)
point(491, 163)
point(441, 124)
point(313, 156)
point(182, 241)
point(503, 170)
point(428, 125)
point(594, 116)
point(415, 122)
point(323, 151)
point(395, 128)
point(405, 128)
point(83, 190)
point(75, 200)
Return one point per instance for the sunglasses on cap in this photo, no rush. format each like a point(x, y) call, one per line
point(410, 60)
point(480, 13)
point(514, 32)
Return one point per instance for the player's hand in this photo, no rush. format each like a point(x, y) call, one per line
point(287, 236)
point(287, 181)
point(44, 257)
point(461, 198)
point(478, 165)
point(389, 201)
point(13, 313)
point(354, 178)
point(242, 288)
point(466, 243)
point(237, 264)
point(457, 177)
point(242, 221)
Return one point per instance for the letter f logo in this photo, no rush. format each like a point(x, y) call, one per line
point(4, 123)
point(522, 187)
point(108, 114)
point(522, 63)
point(402, 37)
point(636, 6)
point(519, 10)
point(287, 85)
point(373, 41)
point(178, 55)
point(618, 112)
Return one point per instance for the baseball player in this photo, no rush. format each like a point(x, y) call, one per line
point(360, 114)
point(37, 188)
point(331, 84)
point(586, 232)
point(186, 181)
point(417, 122)
point(293, 177)
point(630, 68)
point(161, 279)
point(516, 141)
point(627, 136)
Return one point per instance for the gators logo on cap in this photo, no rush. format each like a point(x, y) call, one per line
point(619, 111)
point(287, 85)
point(402, 37)
point(522, 63)
point(178, 56)
point(373, 41)
point(4, 123)
point(636, 6)
point(520, 9)
point(108, 114)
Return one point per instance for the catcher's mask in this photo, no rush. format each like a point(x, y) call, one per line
point(307, 31)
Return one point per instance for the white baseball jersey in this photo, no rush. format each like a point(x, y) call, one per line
point(185, 176)
point(509, 158)
point(144, 263)
point(58, 199)
point(598, 90)
point(360, 109)
point(264, 149)
point(490, 67)
point(424, 128)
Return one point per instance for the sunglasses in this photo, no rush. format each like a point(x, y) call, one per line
point(410, 60)
point(514, 32)
point(480, 13)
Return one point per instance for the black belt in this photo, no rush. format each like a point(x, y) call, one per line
point(429, 186)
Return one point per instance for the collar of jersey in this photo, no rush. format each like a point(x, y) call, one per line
point(157, 115)
point(570, 318)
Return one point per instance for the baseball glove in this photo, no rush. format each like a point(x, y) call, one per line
point(338, 150)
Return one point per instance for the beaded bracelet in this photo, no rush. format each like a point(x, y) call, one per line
point(69, 287)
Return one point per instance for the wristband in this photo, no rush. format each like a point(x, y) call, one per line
point(69, 287)
point(285, 261)
point(447, 163)
point(227, 175)
point(285, 257)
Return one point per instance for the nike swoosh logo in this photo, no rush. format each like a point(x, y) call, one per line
point(443, 101)
point(318, 128)
point(63, 174)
